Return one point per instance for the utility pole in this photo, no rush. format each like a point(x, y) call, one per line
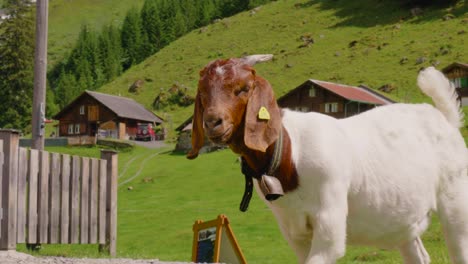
point(40, 70)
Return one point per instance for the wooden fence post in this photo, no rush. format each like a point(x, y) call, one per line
point(9, 187)
point(111, 203)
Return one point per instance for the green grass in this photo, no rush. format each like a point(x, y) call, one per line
point(384, 33)
point(66, 18)
point(155, 218)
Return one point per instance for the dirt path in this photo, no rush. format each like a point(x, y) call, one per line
point(13, 257)
point(142, 165)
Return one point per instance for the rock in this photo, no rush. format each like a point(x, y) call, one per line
point(202, 30)
point(421, 60)
point(448, 17)
point(136, 87)
point(403, 60)
point(148, 179)
point(387, 88)
point(130, 188)
point(288, 65)
point(352, 43)
point(416, 11)
point(444, 51)
point(307, 40)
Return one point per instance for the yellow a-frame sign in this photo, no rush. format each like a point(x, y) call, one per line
point(214, 242)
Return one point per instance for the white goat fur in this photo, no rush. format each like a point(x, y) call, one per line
point(375, 178)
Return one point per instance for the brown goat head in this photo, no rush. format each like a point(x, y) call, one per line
point(234, 106)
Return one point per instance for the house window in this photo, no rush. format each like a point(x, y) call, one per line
point(77, 128)
point(312, 92)
point(460, 82)
point(331, 107)
point(82, 110)
point(70, 129)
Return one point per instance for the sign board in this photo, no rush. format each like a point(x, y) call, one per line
point(214, 242)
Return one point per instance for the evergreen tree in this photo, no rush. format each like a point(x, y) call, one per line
point(16, 66)
point(188, 10)
point(206, 12)
point(231, 7)
point(179, 24)
point(66, 89)
point(167, 12)
point(84, 60)
point(131, 39)
point(110, 52)
point(151, 26)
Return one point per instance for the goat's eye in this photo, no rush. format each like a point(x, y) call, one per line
point(241, 90)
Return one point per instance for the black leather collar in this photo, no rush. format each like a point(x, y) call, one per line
point(249, 173)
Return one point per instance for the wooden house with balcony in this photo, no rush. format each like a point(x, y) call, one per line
point(457, 73)
point(94, 114)
point(337, 100)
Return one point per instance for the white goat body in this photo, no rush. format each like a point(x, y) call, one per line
point(375, 178)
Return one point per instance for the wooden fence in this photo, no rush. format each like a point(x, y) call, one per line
point(49, 198)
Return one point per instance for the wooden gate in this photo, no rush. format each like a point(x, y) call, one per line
point(49, 198)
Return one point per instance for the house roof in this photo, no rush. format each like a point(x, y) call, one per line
point(186, 125)
point(123, 107)
point(353, 93)
point(358, 94)
point(453, 65)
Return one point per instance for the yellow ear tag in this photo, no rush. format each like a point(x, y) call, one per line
point(263, 114)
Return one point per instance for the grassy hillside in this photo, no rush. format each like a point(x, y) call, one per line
point(384, 34)
point(66, 18)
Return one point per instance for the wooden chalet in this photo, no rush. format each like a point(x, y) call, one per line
point(337, 100)
point(94, 114)
point(457, 73)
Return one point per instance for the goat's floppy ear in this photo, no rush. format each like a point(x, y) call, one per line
point(262, 118)
point(198, 134)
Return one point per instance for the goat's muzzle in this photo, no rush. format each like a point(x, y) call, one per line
point(216, 127)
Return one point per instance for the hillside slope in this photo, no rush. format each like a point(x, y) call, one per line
point(362, 42)
point(67, 17)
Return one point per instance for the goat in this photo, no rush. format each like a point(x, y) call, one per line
point(371, 179)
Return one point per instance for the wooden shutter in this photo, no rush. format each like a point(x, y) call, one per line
point(93, 113)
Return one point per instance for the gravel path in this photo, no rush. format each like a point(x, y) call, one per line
point(13, 257)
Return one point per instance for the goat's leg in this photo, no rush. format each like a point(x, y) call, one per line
point(301, 247)
point(298, 232)
point(453, 214)
point(413, 252)
point(329, 238)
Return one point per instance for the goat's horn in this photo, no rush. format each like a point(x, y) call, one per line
point(254, 59)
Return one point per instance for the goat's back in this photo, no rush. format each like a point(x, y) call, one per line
point(392, 159)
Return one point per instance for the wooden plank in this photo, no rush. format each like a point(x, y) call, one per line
point(65, 201)
point(93, 201)
point(102, 201)
point(75, 201)
point(9, 189)
point(111, 230)
point(32, 197)
point(84, 228)
point(21, 197)
point(54, 198)
point(43, 209)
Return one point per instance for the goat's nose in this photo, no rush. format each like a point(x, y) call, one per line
point(213, 122)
